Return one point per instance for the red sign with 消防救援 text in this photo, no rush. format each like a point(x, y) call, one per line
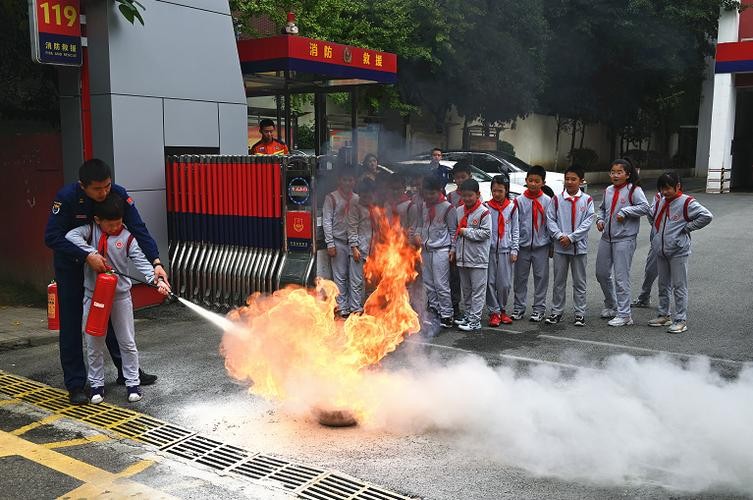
point(56, 32)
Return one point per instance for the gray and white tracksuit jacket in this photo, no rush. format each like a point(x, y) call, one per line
point(119, 250)
point(360, 234)
point(631, 204)
point(529, 238)
point(499, 279)
point(683, 215)
point(533, 256)
point(399, 212)
point(472, 248)
point(561, 223)
point(437, 234)
point(334, 217)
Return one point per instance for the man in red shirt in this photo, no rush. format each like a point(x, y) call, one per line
point(268, 145)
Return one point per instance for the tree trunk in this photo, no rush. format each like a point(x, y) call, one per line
point(557, 141)
point(582, 133)
point(574, 124)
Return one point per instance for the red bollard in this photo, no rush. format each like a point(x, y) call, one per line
point(102, 299)
point(53, 308)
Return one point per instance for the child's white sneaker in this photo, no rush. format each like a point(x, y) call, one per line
point(98, 395)
point(620, 321)
point(134, 393)
point(607, 313)
point(678, 327)
point(517, 315)
point(660, 321)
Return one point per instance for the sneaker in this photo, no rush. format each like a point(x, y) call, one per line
point(98, 395)
point(495, 319)
point(505, 319)
point(516, 315)
point(77, 396)
point(678, 327)
point(553, 319)
point(607, 313)
point(536, 317)
point(640, 303)
point(660, 321)
point(446, 322)
point(579, 320)
point(620, 321)
point(472, 326)
point(145, 378)
point(460, 320)
point(134, 393)
point(344, 315)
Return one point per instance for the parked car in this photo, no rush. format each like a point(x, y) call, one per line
point(411, 168)
point(494, 162)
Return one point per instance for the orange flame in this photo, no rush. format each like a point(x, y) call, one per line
point(291, 348)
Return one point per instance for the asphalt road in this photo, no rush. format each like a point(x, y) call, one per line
point(558, 416)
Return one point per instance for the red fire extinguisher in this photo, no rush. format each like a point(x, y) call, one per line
point(53, 308)
point(99, 311)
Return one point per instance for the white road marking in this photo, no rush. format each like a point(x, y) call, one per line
point(643, 349)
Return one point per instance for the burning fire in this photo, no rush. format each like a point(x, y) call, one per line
point(292, 349)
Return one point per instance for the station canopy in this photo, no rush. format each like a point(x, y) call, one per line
point(295, 64)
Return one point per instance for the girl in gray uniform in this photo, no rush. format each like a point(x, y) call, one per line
point(503, 251)
point(570, 217)
point(335, 228)
point(619, 219)
point(109, 237)
point(362, 227)
point(472, 241)
point(676, 216)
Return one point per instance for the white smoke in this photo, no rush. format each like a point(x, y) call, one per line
point(637, 421)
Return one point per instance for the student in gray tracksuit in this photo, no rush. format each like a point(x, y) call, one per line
point(461, 172)
point(569, 218)
point(619, 219)
point(650, 272)
point(675, 216)
point(535, 245)
point(436, 231)
point(472, 242)
point(361, 231)
point(503, 251)
point(335, 228)
point(108, 237)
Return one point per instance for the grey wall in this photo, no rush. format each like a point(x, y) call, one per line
point(174, 82)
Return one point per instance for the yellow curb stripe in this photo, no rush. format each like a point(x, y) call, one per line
point(26, 428)
point(97, 438)
point(4, 402)
point(134, 469)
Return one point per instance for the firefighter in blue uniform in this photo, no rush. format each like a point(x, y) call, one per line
point(72, 207)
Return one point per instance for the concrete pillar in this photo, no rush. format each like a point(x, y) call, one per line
point(722, 113)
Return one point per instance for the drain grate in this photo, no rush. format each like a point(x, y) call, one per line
point(306, 482)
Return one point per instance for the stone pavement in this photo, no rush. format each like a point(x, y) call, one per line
point(23, 327)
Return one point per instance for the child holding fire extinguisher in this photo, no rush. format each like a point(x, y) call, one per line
point(109, 237)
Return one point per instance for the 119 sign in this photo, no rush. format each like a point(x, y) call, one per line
point(55, 31)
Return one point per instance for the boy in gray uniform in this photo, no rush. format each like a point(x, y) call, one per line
point(471, 253)
point(677, 215)
point(569, 218)
point(535, 245)
point(503, 251)
point(108, 236)
point(335, 228)
point(435, 234)
point(362, 227)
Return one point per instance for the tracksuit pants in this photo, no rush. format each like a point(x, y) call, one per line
point(577, 266)
point(455, 292)
point(650, 274)
point(538, 260)
point(341, 274)
point(69, 277)
point(615, 258)
point(473, 286)
point(435, 270)
point(121, 319)
point(357, 285)
point(673, 279)
point(499, 281)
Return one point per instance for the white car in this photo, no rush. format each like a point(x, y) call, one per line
point(484, 179)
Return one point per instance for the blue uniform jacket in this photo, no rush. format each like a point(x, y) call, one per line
point(72, 208)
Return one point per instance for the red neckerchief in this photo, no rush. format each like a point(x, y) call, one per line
point(574, 201)
point(615, 197)
point(500, 207)
point(346, 198)
point(536, 207)
point(102, 243)
point(664, 212)
point(466, 212)
point(432, 208)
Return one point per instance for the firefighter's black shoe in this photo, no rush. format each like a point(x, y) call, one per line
point(78, 396)
point(146, 379)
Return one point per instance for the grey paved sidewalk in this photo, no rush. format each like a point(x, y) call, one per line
point(24, 326)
